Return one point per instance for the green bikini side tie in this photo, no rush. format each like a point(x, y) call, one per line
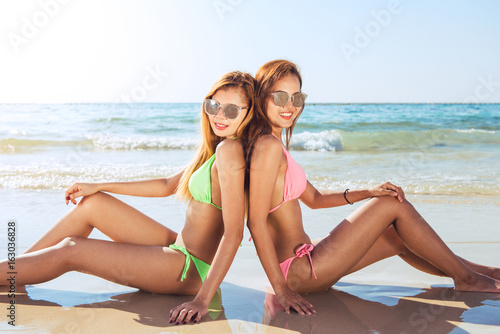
point(200, 265)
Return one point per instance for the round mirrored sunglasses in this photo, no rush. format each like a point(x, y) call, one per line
point(229, 110)
point(282, 98)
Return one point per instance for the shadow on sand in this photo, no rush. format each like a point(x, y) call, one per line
point(354, 308)
point(346, 308)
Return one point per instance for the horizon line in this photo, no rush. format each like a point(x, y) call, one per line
point(311, 103)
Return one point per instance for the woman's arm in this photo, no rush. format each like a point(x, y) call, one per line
point(230, 164)
point(266, 160)
point(147, 188)
point(317, 199)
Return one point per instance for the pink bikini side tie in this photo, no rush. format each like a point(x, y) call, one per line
point(305, 249)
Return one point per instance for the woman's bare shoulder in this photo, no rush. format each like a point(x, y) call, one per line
point(229, 146)
point(268, 143)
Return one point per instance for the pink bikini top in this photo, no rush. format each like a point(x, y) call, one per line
point(295, 180)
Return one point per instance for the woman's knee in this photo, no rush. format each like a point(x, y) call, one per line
point(91, 201)
point(391, 204)
point(90, 206)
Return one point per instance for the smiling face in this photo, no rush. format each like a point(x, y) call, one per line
point(222, 126)
point(283, 117)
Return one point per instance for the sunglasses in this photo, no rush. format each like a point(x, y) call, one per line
point(230, 111)
point(282, 98)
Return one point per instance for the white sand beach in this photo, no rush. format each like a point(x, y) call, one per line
point(388, 297)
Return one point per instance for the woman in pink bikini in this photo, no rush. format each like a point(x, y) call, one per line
point(384, 226)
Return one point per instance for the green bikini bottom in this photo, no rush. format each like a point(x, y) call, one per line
point(201, 266)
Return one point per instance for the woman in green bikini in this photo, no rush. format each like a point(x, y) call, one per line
point(145, 254)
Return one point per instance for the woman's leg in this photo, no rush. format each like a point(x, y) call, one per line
point(117, 220)
point(151, 268)
point(337, 254)
point(390, 244)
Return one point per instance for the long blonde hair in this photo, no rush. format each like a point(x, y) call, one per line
point(236, 79)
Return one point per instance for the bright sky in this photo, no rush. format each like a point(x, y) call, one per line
point(59, 51)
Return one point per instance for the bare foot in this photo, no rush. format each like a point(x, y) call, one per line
point(482, 269)
point(493, 273)
point(479, 283)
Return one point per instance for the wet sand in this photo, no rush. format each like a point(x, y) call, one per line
point(388, 297)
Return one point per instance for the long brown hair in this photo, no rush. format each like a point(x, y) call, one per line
point(236, 79)
point(267, 76)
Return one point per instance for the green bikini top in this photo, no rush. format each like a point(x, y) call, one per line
point(200, 183)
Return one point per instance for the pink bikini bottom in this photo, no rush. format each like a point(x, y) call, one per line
point(305, 249)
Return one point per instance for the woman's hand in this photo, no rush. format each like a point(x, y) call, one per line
point(388, 189)
point(289, 298)
point(78, 190)
point(186, 312)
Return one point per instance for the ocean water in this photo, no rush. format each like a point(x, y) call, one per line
point(451, 152)
point(438, 149)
